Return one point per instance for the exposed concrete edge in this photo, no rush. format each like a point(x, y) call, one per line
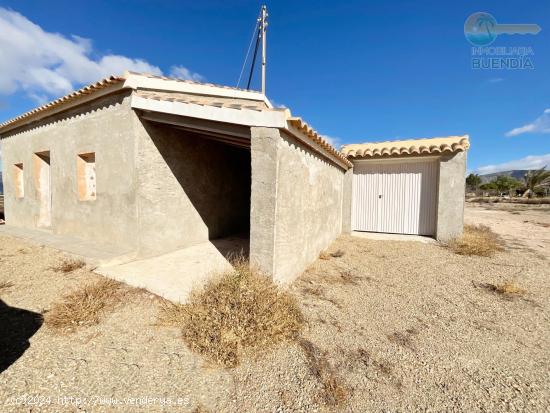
point(138, 81)
point(247, 117)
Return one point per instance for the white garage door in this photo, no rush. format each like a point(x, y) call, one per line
point(395, 197)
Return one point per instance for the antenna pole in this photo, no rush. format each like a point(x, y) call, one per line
point(263, 27)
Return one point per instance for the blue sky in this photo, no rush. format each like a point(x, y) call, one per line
point(357, 71)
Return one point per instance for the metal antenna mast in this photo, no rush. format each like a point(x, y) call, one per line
point(263, 27)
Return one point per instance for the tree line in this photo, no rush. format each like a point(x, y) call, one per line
point(534, 183)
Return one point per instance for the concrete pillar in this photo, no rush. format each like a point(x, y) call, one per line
point(346, 201)
point(263, 197)
point(450, 211)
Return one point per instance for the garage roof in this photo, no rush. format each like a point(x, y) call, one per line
point(428, 146)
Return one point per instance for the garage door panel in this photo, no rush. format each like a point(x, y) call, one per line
point(395, 197)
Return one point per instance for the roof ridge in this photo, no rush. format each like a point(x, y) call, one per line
point(409, 140)
point(153, 76)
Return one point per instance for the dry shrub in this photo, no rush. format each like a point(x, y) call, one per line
point(86, 306)
point(333, 392)
point(239, 311)
point(5, 285)
point(476, 240)
point(507, 289)
point(69, 265)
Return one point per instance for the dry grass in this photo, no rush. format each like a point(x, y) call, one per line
point(5, 285)
point(238, 312)
point(86, 306)
point(507, 289)
point(476, 240)
point(333, 393)
point(69, 265)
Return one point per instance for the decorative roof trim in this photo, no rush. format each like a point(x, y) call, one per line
point(301, 126)
point(431, 146)
point(90, 92)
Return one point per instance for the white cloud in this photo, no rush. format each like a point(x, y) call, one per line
point(529, 162)
point(181, 72)
point(45, 64)
point(539, 125)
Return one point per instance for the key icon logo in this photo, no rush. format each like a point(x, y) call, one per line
point(481, 29)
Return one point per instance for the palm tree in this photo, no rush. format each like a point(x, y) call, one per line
point(536, 179)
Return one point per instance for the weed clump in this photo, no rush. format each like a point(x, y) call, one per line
point(239, 311)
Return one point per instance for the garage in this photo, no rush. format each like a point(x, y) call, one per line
point(398, 197)
point(413, 187)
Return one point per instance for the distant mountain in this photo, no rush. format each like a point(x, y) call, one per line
point(516, 173)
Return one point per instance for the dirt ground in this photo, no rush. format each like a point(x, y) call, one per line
point(400, 326)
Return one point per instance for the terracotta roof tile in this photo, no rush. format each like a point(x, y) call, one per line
point(431, 146)
point(86, 90)
point(312, 134)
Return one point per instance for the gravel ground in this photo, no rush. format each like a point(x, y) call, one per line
point(401, 326)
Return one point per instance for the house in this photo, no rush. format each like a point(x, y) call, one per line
point(155, 165)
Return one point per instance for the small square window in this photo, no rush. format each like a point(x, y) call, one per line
point(85, 176)
point(19, 180)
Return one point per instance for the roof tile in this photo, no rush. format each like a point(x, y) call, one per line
point(428, 146)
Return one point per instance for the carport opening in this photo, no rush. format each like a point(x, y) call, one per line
point(214, 172)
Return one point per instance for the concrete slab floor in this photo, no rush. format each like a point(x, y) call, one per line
point(175, 274)
point(393, 237)
point(90, 252)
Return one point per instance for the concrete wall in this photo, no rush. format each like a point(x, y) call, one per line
point(191, 189)
point(105, 127)
point(297, 199)
point(346, 201)
point(450, 210)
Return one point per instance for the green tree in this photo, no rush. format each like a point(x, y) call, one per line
point(536, 180)
point(473, 181)
point(505, 183)
point(489, 186)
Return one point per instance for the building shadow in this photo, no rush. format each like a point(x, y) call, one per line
point(17, 326)
point(215, 178)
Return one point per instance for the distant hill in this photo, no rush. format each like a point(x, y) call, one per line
point(516, 173)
